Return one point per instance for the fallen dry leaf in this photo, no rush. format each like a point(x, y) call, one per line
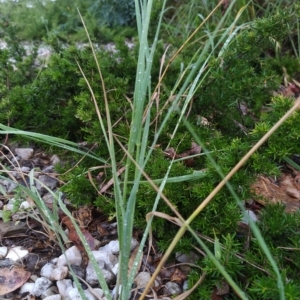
point(73, 236)
point(222, 288)
point(178, 276)
point(286, 191)
point(132, 260)
point(12, 279)
point(290, 90)
point(84, 215)
point(195, 149)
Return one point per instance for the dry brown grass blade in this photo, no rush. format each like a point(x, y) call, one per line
point(111, 181)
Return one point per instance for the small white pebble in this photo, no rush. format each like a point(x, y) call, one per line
point(52, 290)
point(53, 297)
point(33, 278)
point(142, 279)
point(24, 153)
point(59, 273)
point(64, 286)
point(172, 288)
point(249, 214)
point(47, 270)
point(74, 294)
point(73, 255)
point(26, 205)
point(40, 286)
point(99, 292)
point(27, 287)
point(55, 159)
point(115, 269)
point(3, 252)
point(16, 253)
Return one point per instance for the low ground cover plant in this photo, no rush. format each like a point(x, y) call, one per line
point(217, 94)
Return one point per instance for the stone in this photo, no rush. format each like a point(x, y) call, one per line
point(27, 288)
point(53, 272)
point(47, 270)
point(91, 296)
point(53, 297)
point(114, 291)
point(91, 276)
point(3, 252)
point(64, 286)
point(45, 180)
point(185, 285)
point(79, 271)
point(73, 255)
point(40, 286)
point(115, 269)
point(48, 169)
point(111, 247)
point(16, 253)
point(34, 277)
point(187, 258)
point(25, 169)
point(99, 292)
point(6, 263)
point(9, 186)
point(172, 288)
point(52, 290)
point(55, 159)
point(11, 228)
point(108, 258)
point(10, 204)
point(74, 294)
point(48, 198)
point(134, 243)
point(3, 186)
point(26, 205)
point(249, 214)
point(59, 273)
point(142, 279)
point(24, 153)
point(17, 173)
point(114, 246)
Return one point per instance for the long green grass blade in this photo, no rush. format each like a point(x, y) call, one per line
point(50, 140)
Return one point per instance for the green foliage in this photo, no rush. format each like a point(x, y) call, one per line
point(60, 18)
point(265, 288)
point(58, 93)
point(114, 13)
point(280, 230)
point(78, 187)
point(15, 202)
point(245, 75)
point(55, 100)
